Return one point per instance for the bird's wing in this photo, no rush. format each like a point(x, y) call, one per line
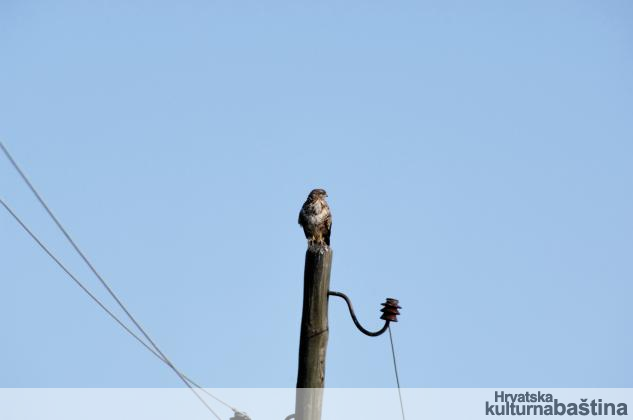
point(327, 228)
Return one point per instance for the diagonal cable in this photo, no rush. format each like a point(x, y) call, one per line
point(98, 302)
point(156, 349)
point(395, 368)
point(79, 252)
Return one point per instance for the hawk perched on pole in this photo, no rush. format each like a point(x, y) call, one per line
point(316, 219)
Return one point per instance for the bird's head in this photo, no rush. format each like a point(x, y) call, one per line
point(317, 194)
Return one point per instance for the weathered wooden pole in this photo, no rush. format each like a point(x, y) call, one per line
point(314, 333)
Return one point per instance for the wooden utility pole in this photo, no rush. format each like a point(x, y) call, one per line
point(314, 333)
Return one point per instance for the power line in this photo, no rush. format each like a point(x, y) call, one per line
point(79, 252)
point(156, 350)
point(186, 380)
point(395, 368)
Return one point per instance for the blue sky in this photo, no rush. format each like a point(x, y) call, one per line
point(477, 155)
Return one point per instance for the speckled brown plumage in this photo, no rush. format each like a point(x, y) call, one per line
point(316, 219)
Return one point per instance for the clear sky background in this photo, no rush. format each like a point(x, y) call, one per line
point(478, 157)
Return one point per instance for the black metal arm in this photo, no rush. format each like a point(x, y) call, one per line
point(390, 311)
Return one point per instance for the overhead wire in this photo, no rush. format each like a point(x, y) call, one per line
point(188, 382)
point(155, 350)
point(395, 368)
point(78, 250)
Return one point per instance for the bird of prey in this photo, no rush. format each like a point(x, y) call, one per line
point(316, 219)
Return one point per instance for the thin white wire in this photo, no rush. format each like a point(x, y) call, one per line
point(112, 315)
point(395, 368)
point(156, 350)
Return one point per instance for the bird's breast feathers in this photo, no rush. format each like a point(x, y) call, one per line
point(316, 213)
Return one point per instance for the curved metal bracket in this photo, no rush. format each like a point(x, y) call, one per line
point(351, 312)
